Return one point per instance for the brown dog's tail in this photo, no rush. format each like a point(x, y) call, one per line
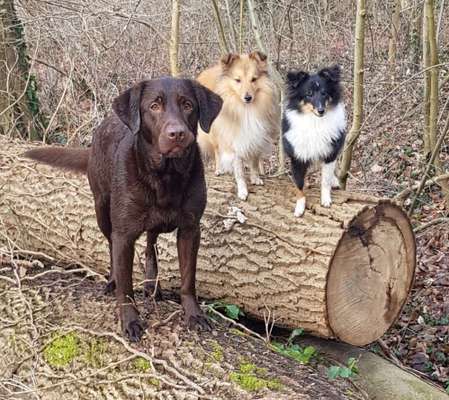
point(71, 159)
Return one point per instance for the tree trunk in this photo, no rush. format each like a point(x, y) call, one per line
point(174, 39)
point(342, 272)
point(19, 105)
point(274, 73)
point(427, 83)
point(414, 44)
point(394, 34)
point(358, 92)
point(221, 32)
point(434, 72)
point(433, 92)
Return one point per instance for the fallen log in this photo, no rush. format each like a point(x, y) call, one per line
point(341, 272)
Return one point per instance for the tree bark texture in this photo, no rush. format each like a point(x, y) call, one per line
point(342, 272)
point(174, 39)
point(359, 65)
point(19, 105)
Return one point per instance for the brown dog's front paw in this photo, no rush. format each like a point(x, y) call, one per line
point(198, 322)
point(193, 316)
point(133, 328)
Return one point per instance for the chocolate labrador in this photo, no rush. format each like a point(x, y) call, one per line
point(146, 175)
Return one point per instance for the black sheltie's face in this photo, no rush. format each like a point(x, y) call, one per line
point(314, 93)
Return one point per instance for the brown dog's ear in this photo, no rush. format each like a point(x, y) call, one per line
point(127, 107)
point(209, 105)
point(228, 59)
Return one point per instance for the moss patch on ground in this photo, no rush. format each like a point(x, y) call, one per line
point(217, 352)
point(62, 350)
point(252, 378)
point(141, 364)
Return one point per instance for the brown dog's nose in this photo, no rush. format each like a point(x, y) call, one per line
point(176, 133)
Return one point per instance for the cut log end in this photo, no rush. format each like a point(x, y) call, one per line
point(370, 274)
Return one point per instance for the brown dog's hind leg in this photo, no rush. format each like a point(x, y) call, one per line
point(122, 256)
point(188, 241)
point(102, 211)
point(151, 287)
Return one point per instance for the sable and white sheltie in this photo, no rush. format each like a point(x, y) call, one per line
point(314, 128)
point(244, 131)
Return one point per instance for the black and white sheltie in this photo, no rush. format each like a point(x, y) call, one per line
point(314, 128)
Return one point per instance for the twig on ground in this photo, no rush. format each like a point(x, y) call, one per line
point(435, 221)
point(235, 323)
point(388, 353)
point(152, 361)
point(166, 320)
point(401, 196)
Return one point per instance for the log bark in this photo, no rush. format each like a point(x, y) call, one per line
point(341, 272)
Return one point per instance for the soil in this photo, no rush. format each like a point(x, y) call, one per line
point(60, 339)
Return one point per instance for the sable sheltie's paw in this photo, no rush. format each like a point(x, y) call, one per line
point(242, 193)
point(326, 200)
point(300, 207)
point(255, 180)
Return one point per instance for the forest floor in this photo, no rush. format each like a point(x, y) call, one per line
point(390, 159)
point(60, 339)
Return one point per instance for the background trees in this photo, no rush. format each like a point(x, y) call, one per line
point(19, 104)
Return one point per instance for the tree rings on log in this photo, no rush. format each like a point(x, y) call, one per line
point(370, 274)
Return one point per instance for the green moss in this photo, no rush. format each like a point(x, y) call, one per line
point(217, 352)
point(237, 332)
point(155, 382)
point(62, 350)
point(141, 364)
point(252, 378)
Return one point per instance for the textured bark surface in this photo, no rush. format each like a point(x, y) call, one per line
point(355, 260)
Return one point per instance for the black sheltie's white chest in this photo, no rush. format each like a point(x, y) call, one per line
point(309, 137)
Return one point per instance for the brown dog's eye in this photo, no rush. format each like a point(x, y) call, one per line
point(155, 106)
point(187, 106)
point(254, 79)
point(237, 80)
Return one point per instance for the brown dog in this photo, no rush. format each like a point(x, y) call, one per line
point(146, 175)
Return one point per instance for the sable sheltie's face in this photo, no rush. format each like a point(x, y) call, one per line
point(315, 93)
point(246, 75)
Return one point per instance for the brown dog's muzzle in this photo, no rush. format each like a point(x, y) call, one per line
point(174, 139)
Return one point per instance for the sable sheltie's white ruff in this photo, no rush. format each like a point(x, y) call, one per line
point(251, 138)
point(311, 136)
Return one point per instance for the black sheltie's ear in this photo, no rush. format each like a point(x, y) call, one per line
point(331, 74)
point(294, 79)
point(228, 59)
